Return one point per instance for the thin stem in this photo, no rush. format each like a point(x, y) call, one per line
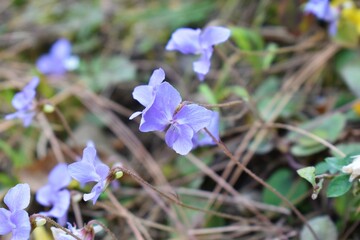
point(227, 152)
point(66, 125)
point(55, 224)
point(174, 199)
point(129, 219)
point(51, 137)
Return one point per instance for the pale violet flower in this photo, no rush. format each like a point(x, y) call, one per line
point(180, 121)
point(202, 138)
point(322, 10)
point(15, 219)
point(145, 94)
point(23, 102)
point(59, 59)
point(353, 168)
point(90, 169)
point(196, 41)
point(55, 194)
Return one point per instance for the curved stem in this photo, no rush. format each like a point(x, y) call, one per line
point(227, 152)
point(55, 224)
point(128, 217)
point(174, 199)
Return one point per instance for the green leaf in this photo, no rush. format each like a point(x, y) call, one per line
point(338, 163)
point(338, 186)
point(268, 87)
point(301, 151)
point(348, 148)
point(348, 66)
point(328, 128)
point(308, 173)
point(322, 226)
point(249, 40)
point(321, 168)
point(284, 181)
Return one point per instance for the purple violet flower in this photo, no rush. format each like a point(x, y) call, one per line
point(202, 138)
point(16, 219)
point(55, 194)
point(180, 121)
point(145, 94)
point(90, 169)
point(195, 41)
point(23, 103)
point(59, 59)
point(322, 10)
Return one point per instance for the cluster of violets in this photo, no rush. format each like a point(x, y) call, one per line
point(56, 196)
point(332, 11)
point(183, 123)
point(164, 110)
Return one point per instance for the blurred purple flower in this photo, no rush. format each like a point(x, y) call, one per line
point(202, 138)
point(90, 169)
point(145, 94)
point(16, 219)
point(59, 59)
point(195, 41)
point(180, 122)
point(55, 193)
point(23, 103)
point(322, 10)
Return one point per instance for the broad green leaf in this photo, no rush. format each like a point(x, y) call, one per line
point(338, 163)
point(284, 181)
point(268, 87)
point(310, 142)
point(338, 186)
point(301, 151)
point(328, 128)
point(332, 125)
point(348, 148)
point(322, 226)
point(348, 66)
point(249, 40)
point(347, 205)
point(308, 173)
point(321, 168)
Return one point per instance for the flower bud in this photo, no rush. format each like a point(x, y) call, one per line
point(119, 174)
